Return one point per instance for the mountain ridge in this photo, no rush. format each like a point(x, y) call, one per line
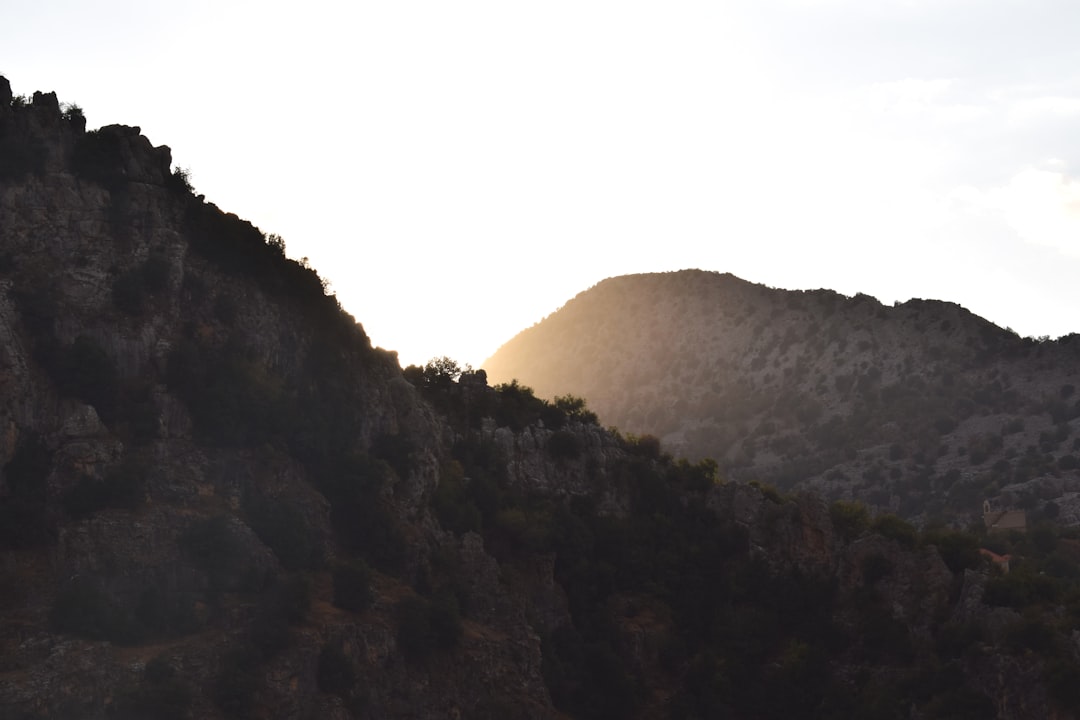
point(764, 380)
point(218, 500)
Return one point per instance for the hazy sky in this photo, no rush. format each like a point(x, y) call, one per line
point(459, 170)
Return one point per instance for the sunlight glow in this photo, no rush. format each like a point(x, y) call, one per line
point(459, 171)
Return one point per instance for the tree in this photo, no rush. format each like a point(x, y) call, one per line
point(575, 409)
point(440, 372)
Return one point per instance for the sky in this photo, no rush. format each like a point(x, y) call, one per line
point(460, 170)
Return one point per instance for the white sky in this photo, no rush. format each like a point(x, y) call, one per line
point(459, 170)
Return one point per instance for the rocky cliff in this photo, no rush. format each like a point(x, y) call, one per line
point(168, 456)
point(218, 500)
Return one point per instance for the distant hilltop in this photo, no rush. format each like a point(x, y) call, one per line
point(917, 408)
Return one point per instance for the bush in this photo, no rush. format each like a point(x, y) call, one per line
point(1020, 589)
point(425, 626)
point(874, 568)
point(285, 530)
point(352, 586)
point(894, 528)
point(564, 445)
point(99, 157)
point(180, 181)
point(121, 488)
point(959, 550)
point(645, 446)
point(160, 695)
point(575, 409)
point(215, 548)
point(337, 672)
point(850, 519)
point(453, 500)
point(285, 605)
point(1063, 679)
point(85, 608)
point(24, 519)
point(86, 371)
point(363, 521)
point(233, 398)
point(234, 690)
point(167, 614)
point(769, 492)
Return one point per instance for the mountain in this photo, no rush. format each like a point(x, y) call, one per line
point(218, 500)
point(921, 408)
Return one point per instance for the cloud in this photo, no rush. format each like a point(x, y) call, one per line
point(931, 101)
point(1043, 206)
point(1037, 109)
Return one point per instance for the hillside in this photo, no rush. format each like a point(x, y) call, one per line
point(922, 408)
point(218, 500)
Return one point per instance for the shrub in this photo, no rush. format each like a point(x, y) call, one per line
point(352, 586)
point(160, 695)
point(86, 371)
point(646, 446)
point(425, 626)
point(453, 502)
point(23, 517)
point(285, 530)
point(959, 550)
point(363, 521)
point(233, 398)
point(874, 568)
point(564, 445)
point(962, 703)
point(167, 614)
point(214, 547)
point(85, 608)
point(955, 639)
point(180, 181)
point(396, 450)
point(1063, 680)
point(337, 672)
point(575, 409)
point(1019, 589)
point(98, 157)
point(894, 528)
point(234, 690)
point(850, 519)
point(121, 488)
point(269, 631)
point(769, 492)
point(1030, 634)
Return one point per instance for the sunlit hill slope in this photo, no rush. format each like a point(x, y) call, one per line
point(921, 408)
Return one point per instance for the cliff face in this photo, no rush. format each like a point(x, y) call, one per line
point(922, 409)
point(217, 500)
point(151, 348)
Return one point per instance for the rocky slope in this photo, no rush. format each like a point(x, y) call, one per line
point(169, 435)
point(921, 408)
point(217, 500)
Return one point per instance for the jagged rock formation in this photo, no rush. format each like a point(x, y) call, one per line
point(136, 324)
point(217, 500)
point(922, 408)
